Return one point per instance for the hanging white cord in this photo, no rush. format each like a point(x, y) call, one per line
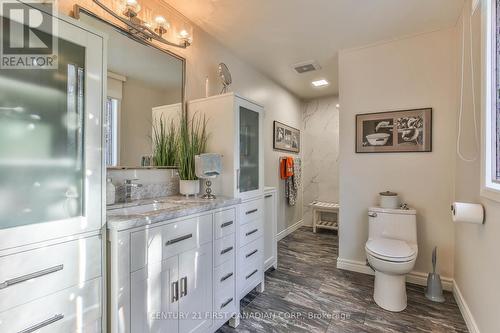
point(476, 136)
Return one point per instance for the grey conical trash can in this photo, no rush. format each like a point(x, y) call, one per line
point(434, 290)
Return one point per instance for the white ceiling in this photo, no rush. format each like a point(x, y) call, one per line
point(272, 35)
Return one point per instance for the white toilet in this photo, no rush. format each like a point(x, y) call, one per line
point(391, 250)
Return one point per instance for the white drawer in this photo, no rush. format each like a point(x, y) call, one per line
point(225, 248)
point(251, 210)
point(225, 300)
point(250, 271)
point(249, 252)
point(224, 223)
point(28, 275)
point(158, 243)
point(250, 232)
point(76, 309)
point(224, 276)
point(224, 296)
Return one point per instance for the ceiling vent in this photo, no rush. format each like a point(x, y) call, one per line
point(306, 66)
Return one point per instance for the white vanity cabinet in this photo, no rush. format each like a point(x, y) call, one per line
point(174, 276)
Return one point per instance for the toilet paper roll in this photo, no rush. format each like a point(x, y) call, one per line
point(467, 213)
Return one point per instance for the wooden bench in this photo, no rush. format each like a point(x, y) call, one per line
point(324, 207)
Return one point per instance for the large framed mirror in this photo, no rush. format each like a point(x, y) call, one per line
point(145, 84)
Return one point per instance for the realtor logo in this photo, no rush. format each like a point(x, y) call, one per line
point(28, 34)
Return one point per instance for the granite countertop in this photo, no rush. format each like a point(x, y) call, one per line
point(139, 213)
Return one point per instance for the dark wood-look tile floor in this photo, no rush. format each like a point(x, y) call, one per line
point(307, 293)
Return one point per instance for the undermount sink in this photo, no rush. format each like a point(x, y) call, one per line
point(142, 209)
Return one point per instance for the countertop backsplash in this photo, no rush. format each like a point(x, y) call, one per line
point(155, 183)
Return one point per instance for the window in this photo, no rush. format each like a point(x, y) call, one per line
point(111, 132)
point(496, 109)
point(490, 182)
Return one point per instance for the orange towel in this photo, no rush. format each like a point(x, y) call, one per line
point(286, 167)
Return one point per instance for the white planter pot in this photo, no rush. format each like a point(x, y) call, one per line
point(189, 187)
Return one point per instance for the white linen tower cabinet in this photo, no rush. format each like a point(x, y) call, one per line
point(235, 127)
point(51, 181)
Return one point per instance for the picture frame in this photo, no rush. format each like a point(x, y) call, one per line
point(401, 131)
point(286, 138)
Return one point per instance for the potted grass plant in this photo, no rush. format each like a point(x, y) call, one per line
point(192, 141)
point(164, 143)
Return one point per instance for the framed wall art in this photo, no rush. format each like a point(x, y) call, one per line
point(394, 132)
point(286, 138)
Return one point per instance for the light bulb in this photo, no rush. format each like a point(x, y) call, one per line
point(162, 25)
point(132, 7)
point(185, 37)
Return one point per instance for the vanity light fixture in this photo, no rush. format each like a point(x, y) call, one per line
point(320, 83)
point(138, 28)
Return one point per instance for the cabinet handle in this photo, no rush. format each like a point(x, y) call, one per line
point(184, 287)
point(251, 211)
point(42, 324)
point(225, 277)
point(251, 274)
point(226, 250)
point(252, 253)
point(268, 196)
point(179, 239)
point(223, 305)
point(372, 214)
point(30, 276)
point(226, 224)
point(175, 291)
point(251, 232)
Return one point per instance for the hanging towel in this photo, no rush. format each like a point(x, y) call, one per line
point(292, 184)
point(286, 167)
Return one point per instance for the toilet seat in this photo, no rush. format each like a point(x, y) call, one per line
point(393, 250)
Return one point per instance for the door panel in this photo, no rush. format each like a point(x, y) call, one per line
point(50, 143)
point(153, 303)
point(196, 289)
point(249, 150)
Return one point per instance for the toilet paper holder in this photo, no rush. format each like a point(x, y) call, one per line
point(477, 210)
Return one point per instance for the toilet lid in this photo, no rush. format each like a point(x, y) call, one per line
point(392, 249)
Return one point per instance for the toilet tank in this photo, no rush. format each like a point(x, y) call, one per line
point(392, 223)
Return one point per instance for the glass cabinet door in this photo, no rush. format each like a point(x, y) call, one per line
point(249, 150)
point(42, 160)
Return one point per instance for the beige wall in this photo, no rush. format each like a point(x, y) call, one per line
point(408, 73)
point(202, 59)
point(320, 145)
point(477, 271)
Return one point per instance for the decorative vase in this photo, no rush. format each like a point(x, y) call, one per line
point(189, 187)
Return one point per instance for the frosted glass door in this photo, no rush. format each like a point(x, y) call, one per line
point(249, 150)
point(42, 141)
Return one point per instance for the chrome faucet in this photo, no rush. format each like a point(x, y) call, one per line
point(129, 184)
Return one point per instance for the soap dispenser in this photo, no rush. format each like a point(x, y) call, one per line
point(110, 192)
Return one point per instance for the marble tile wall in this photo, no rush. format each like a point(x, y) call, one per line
point(320, 149)
point(155, 183)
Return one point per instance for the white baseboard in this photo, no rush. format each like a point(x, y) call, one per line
point(414, 277)
point(289, 230)
point(464, 309)
point(354, 266)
